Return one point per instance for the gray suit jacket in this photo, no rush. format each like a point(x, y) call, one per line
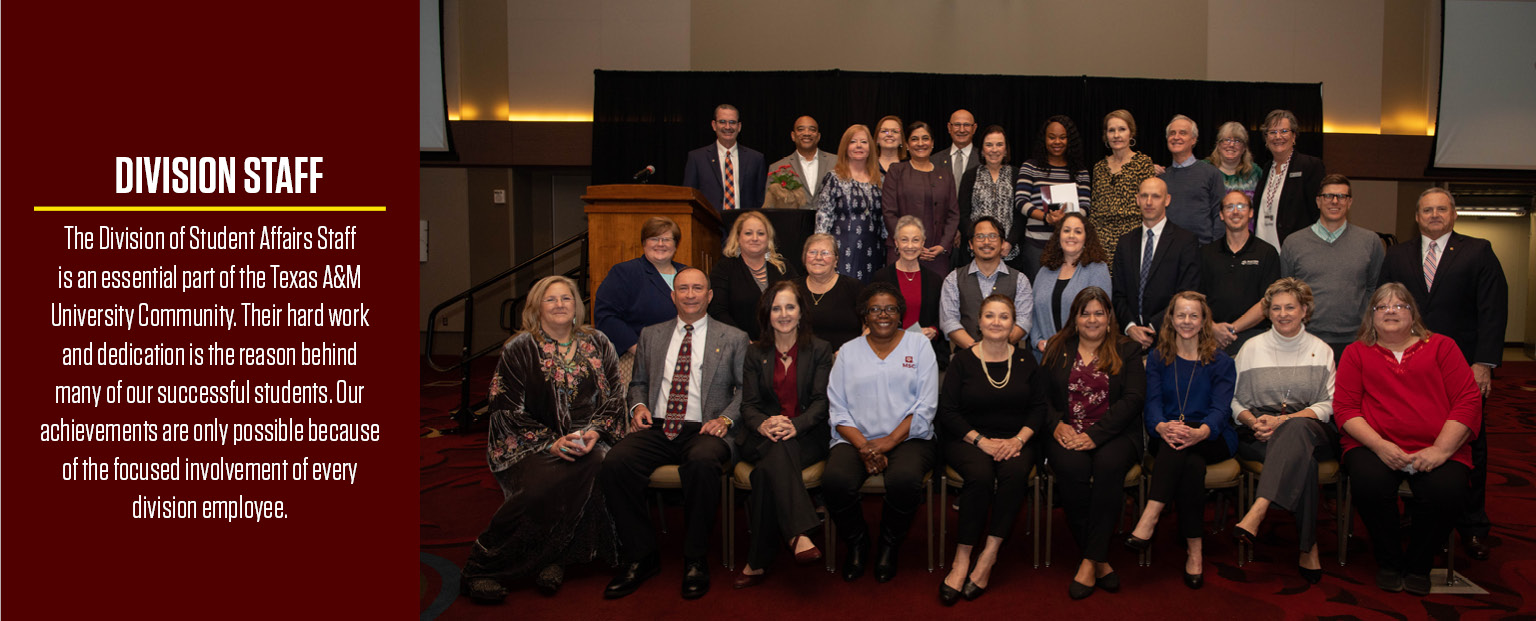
point(725, 349)
point(941, 158)
point(825, 162)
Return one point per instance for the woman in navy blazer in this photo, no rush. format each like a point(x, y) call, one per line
point(638, 292)
point(783, 437)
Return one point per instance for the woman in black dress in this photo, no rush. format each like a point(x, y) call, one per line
point(829, 297)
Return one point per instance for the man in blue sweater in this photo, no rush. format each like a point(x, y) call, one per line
point(1195, 186)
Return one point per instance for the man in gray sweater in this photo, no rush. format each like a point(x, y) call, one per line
point(1341, 262)
point(1195, 186)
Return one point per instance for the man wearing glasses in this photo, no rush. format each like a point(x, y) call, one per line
point(962, 154)
point(1234, 272)
point(1342, 263)
point(731, 176)
point(965, 288)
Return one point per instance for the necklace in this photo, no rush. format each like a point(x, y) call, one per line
point(1006, 376)
point(905, 276)
point(816, 299)
point(1183, 401)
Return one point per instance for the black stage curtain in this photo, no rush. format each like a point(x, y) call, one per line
point(655, 117)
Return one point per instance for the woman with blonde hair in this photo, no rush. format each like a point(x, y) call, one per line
point(1116, 178)
point(848, 206)
point(556, 406)
point(751, 263)
point(1232, 157)
point(891, 142)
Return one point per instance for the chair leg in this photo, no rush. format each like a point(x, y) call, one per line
point(1450, 560)
point(730, 527)
point(831, 540)
point(928, 496)
point(1242, 492)
point(1346, 519)
point(1034, 511)
point(943, 515)
point(1049, 514)
point(726, 556)
point(1141, 505)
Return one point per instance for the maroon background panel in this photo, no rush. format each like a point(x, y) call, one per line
point(85, 82)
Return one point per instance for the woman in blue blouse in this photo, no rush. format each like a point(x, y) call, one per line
point(1074, 260)
point(1188, 417)
point(882, 394)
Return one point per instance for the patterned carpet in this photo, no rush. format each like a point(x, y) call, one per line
point(458, 495)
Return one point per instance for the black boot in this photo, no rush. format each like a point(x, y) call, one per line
point(855, 535)
point(893, 530)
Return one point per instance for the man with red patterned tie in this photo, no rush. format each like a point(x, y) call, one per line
point(685, 398)
point(730, 175)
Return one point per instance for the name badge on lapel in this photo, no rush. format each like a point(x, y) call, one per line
point(1295, 174)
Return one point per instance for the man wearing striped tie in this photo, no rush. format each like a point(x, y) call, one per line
point(685, 398)
point(1459, 286)
point(730, 175)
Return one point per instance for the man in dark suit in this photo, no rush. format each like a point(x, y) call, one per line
point(809, 163)
point(731, 176)
point(962, 154)
point(1145, 279)
point(1459, 287)
point(688, 371)
point(1280, 211)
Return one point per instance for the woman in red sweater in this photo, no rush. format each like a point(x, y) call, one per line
point(1407, 404)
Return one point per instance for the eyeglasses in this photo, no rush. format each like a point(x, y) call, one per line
point(1386, 307)
point(893, 132)
point(1232, 141)
point(883, 310)
point(962, 125)
point(728, 122)
point(818, 253)
point(1334, 197)
point(659, 240)
point(1233, 206)
point(986, 236)
point(1278, 132)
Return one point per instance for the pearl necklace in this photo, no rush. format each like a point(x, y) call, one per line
point(1006, 376)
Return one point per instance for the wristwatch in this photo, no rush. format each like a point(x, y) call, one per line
point(977, 441)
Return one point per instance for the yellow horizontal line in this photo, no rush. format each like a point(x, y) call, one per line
point(207, 208)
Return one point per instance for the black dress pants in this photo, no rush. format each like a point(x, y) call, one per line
point(1179, 477)
point(994, 489)
point(779, 508)
point(1092, 486)
point(1437, 499)
point(701, 459)
point(910, 461)
point(1473, 519)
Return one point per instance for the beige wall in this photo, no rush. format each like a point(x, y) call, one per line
point(445, 192)
point(1511, 240)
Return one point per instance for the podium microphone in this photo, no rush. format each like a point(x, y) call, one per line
point(644, 174)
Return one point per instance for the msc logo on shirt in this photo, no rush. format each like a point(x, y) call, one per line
point(909, 363)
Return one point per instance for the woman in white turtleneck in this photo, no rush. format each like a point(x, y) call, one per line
point(1284, 404)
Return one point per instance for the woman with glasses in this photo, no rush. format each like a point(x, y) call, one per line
point(1095, 388)
point(1233, 158)
point(1408, 406)
point(883, 393)
point(638, 292)
point(918, 188)
point(1283, 198)
point(829, 297)
point(848, 206)
point(1057, 159)
point(1116, 178)
point(890, 143)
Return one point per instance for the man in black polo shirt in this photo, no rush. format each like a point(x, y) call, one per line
point(1234, 272)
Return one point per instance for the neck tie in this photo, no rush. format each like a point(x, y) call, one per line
point(1146, 268)
point(957, 165)
point(677, 395)
point(730, 184)
point(1431, 260)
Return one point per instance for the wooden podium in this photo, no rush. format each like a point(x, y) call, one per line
point(616, 213)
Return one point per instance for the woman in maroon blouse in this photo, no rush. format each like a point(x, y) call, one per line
point(1407, 397)
point(1095, 389)
point(784, 407)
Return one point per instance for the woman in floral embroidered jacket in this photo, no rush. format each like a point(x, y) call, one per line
point(556, 406)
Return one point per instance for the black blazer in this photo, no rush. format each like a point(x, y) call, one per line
point(1297, 208)
point(1175, 268)
point(1470, 301)
point(759, 402)
point(736, 293)
point(928, 313)
point(1127, 393)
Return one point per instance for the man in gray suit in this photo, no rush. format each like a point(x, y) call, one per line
point(809, 162)
point(688, 372)
point(962, 147)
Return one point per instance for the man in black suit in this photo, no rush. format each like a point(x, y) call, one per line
point(1459, 287)
point(731, 176)
point(962, 154)
point(1146, 279)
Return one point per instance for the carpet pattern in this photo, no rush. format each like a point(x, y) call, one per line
point(458, 496)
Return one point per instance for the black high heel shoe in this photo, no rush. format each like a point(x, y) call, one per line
point(1194, 581)
point(948, 595)
point(971, 590)
point(1312, 576)
point(1137, 543)
point(1242, 536)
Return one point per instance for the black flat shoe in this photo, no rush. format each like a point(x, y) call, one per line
point(1417, 584)
point(1110, 582)
point(1137, 543)
point(1078, 590)
point(971, 590)
point(1242, 536)
point(885, 563)
point(1312, 576)
point(484, 591)
point(695, 579)
point(1194, 581)
point(1477, 547)
point(855, 559)
point(631, 576)
point(1389, 580)
point(947, 595)
point(549, 580)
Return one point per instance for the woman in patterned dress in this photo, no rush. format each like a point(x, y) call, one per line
point(987, 190)
point(848, 206)
point(1115, 180)
point(556, 406)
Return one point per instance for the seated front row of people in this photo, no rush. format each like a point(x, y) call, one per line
point(875, 407)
